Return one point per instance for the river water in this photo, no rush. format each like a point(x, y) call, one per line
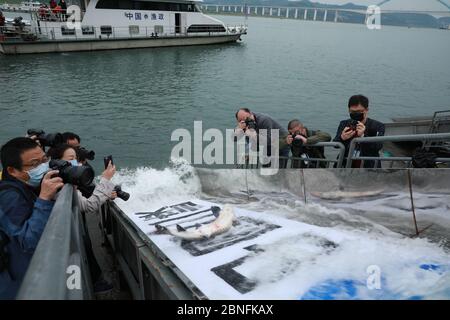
point(128, 102)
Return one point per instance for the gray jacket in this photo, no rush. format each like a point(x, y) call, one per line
point(102, 193)
point(264, 121)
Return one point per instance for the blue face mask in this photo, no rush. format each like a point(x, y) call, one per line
point(74, 163)
point(36, 174)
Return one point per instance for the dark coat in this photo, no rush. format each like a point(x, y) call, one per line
point(374, 128)
point(23, 217)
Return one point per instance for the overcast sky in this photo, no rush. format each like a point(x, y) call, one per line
point(426, 5)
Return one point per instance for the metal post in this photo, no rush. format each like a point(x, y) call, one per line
point(315, 14)
point(296, 14)
point(271, 11)
point(306, 14)
point(325, 15)
point(256, 10)
point(412, 201)
point(336, 16)
point(287, 13)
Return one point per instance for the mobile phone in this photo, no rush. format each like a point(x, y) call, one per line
point(108, 159)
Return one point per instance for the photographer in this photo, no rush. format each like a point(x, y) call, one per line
point(250, 123)
point(74, 140)
point(360, 125)
point(103, 191)
point(27, 190)
point(301, 140)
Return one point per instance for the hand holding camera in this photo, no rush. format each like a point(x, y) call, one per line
point(50, 185)
point(298, 139)
point(360, 129)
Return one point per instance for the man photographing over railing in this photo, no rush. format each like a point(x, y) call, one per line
point(250, 124)
point(301, 141)
point(360, 125)
point(27, 190)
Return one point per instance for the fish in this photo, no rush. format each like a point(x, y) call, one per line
point(335, 195)
point(222, 223)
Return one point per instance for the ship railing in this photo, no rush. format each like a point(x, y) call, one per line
point(430, 141)
point(54, 15)
point(64, 32)
point(59, 269)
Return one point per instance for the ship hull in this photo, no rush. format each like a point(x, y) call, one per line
point(27, 47)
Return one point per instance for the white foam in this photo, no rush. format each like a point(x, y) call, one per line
point(293, 262)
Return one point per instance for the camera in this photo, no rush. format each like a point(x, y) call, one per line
point(81, 176)
point(121, 194)
point(46, 139)
point(83, 154)
point(355, 117)
point(250, 123)
point(297, 143)
point(352, 124)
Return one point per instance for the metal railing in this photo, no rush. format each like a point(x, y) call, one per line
point(59, 269)
point(317, 162)
point(424, 138)
point(62, 33)
point(290, 162)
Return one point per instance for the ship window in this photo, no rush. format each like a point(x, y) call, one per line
point(159, 29)
point(87, 30)
point(67, 32)
point(134, 29)
point(105, 29)
point(206, 28)
point(146, 5)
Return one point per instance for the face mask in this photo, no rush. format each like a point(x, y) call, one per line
point(74, 163)
point(357, 116)
point(36, 174)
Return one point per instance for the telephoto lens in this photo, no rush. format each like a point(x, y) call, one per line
point(46, 139)
point(121, 194)
point(81, 176)
point(83, 154)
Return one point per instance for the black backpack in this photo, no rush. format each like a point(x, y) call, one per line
point(423, 158)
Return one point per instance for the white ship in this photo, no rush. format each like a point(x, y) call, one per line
point(116, 24)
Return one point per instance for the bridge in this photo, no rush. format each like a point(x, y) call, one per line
point(327, 14)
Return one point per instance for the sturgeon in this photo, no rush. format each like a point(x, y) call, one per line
point(334, 195)
point(222, 223)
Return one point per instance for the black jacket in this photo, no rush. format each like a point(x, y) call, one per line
point(374, 128)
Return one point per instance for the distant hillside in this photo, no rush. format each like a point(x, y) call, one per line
point(393, 19)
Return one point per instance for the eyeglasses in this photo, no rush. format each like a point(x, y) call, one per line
point(35, 162)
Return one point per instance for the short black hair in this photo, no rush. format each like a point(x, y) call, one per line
point(294, 123)
point(58, 151)
point(70, 136)
point(358, 99)
point(12, 150)
point(242, 109)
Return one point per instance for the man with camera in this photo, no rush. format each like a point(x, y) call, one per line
point(360, 125)
point(302, 141)
point(250, 124)
point(27, 190)
point(74, 140)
